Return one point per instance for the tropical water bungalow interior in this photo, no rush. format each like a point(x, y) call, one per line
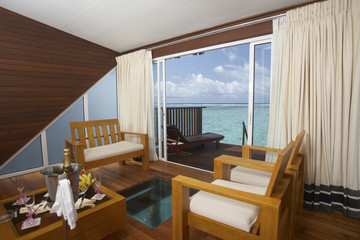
point(101, 66)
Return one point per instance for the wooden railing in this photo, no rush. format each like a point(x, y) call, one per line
point(244, 133)
point(187, 119)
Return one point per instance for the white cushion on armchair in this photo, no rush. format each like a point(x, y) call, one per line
point(231, 212)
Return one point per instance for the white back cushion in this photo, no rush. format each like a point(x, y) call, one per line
point(250, 176)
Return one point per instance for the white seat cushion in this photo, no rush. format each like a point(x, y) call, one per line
point(231, 212)
point(110, 150)
point(250, 176)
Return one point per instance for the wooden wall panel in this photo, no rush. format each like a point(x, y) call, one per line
point(42, 71)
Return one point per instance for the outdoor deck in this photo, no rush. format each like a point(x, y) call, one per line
point(189, 121)
point(203, 156)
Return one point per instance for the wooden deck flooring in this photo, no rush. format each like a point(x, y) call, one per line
point(311, 225)
point(203, 156)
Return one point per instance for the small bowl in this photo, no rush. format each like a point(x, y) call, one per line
point(6, 215)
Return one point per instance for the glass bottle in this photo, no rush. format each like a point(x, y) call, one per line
point(67, 162)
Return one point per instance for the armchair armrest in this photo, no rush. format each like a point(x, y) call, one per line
point(298, 161)
point(145, 141)
point(222, 165)
point(244, 162)
point(144, 136)
point(246, 150)
point(71, 143)
point(255, 199)
point(134, 133)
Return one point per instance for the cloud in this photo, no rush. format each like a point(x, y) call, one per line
point(230, 54)
point(219, 69)
point(241, 73)
point(198, 86)
point(234, 72)
point(228, 83)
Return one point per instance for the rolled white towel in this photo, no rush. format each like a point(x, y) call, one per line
point(64, 203)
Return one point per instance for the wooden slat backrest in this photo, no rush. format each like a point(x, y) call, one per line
point(297, 144)
point(112, 133)
point(279, 168)
point(106, 135)
point(98, 135)
point(91, 139)
point(96, 132)
point(82, 138)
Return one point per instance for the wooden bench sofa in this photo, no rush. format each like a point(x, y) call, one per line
point(100, 142)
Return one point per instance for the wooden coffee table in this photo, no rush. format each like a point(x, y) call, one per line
point(105, 219)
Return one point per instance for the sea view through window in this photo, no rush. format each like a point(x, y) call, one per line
point(231, 125)
point(220, 81)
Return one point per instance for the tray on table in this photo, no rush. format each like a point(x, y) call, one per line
point(51, 224)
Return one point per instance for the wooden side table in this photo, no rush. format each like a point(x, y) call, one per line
point(105, 219)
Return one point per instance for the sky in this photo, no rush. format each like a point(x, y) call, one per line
point(218, 76)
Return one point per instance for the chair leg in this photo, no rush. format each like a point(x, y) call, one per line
point(146, 162)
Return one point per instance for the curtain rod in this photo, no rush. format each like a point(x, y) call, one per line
point(241, 25)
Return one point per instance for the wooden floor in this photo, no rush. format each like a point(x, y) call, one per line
point(311, 225)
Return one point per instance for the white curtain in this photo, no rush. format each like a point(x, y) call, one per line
point(135, 95)
point(320, 92)
point(276, 133)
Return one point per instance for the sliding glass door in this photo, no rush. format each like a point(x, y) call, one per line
point(259, 91)
point(228, 83)
point(160, 108)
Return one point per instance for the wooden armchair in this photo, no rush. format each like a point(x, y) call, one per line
point(261, 176)
point(232, 210)
point(100, 142)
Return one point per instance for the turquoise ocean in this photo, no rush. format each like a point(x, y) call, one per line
point(226, 119)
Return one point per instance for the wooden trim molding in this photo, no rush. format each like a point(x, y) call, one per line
point(219, 38)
